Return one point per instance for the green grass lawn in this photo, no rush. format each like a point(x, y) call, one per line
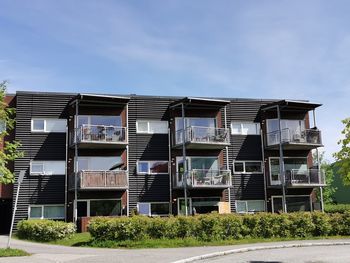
point(11, 252)
point(85, 240)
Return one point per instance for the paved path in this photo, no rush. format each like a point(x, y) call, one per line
point(319, 254)
point(53, 253)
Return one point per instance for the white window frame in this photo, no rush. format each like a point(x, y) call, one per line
point(278, 182)
point(257, 127)
point(42, 211)
point(109, 199)
point(246, 206)
point(45, 125)
point(42, 162)
point(149, 166)
point(150, 208)
point(281, 197)
point(148, 127)
point(244, 170)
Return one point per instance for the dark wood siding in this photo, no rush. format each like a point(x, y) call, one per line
point(148, 147)
point(39, 146)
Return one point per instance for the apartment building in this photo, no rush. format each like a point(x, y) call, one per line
point(103, 155)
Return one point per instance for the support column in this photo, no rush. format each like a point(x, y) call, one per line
point(75, 204)
point(227, 160)
point(184, 176)
point(281, 161)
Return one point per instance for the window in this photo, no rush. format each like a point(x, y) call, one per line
point(2, 126)
point(290, 163)
point(99, 120)
point(294, 203)
point(152, 167)
point(245, 128)
point(99, 163)
point(250, 206)
point(47, 167)
point(152, 127)
point(99, 207)
point(154, 209)
point(46, 211)
point(247, 167)
point(195, 122)
point(49, 125)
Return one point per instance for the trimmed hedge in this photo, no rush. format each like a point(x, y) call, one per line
point(221, 227)
point(337, 208)
point(44, 230)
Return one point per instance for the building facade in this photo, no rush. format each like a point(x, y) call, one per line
point(98, 155)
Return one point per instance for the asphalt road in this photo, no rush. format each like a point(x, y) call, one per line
point(319, 254)
point(52, 253)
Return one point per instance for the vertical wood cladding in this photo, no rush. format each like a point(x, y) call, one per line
point(37, 189)
point(245, 147)
point(148, 147)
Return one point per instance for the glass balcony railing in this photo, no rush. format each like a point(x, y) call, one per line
point(205, 178)
point(98, 134)
point(307, 136)
point(203, 135)
point(303, 177)
point(102, 179)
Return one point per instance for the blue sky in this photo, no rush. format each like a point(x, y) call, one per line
point(252, 49)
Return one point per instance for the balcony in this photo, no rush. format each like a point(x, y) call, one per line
point(99, 136)
point(102, 180)
point(205, 178)
point(297, 178)
point(203, 138)
point(306, 139)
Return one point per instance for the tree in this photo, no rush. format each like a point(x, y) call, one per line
point(328, 190)
point(10, 150)
point(343, 156)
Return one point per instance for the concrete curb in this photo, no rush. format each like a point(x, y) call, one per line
point(248, 249)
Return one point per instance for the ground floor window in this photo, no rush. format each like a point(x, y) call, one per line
point(99, 207)
point(294, 203)
point(46, 211)
point(154, 208)
point(250, 206)
point(198, 205)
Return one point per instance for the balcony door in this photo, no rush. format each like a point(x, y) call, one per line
point(290, 163)
point(201, 128)
point(290, 130)
point(99, 163)
point(294, 203)
point(92, 120)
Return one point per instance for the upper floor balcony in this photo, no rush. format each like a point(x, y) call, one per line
point(299, 178)
point(205, 178)
point(294, 139)
point(99, 136)
point(102, 180)
point(201, 137)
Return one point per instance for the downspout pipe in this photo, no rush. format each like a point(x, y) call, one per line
point(184, 176)
point(281, 161)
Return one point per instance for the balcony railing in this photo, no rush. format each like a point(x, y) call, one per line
point(205, 178)
point(307, 136)
point(304, 177)
point(203, 135)
point(98, 134)
point(103, 179)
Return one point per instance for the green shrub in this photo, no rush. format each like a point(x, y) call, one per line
point(221, 227)
point(337, 208)
point(44, 230)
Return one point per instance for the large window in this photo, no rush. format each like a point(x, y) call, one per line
point(99, 163)
point(48, 125)
point(99, 120)
point(195, 122)
point(198, 205)
point(152, 167)
point(247, 167)
point(245, 128)
point(151, 126)
point(294, 125)
point(47, 167)
point(46, 211)
point(294, 203)
point(250, 206)
point(203, 163)
point(154, 209)
point(290, 163)
point(99, 207)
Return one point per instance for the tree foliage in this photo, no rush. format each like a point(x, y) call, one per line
point(10, 149)
point(328, 190)
point(343, 156)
